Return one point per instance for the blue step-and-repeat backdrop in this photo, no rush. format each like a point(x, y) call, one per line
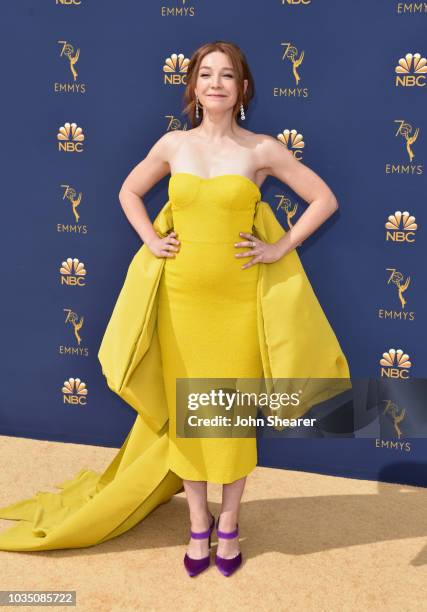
point(89, 86)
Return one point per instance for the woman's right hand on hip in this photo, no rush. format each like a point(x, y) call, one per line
point(164, 247)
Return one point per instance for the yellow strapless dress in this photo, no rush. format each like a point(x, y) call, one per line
point(196, 315)
point(207, 313)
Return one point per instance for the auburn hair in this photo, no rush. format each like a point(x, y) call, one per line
point(241, 69)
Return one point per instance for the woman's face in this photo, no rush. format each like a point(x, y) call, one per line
point(216, 85)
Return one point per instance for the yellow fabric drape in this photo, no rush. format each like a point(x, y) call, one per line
point(296, 341)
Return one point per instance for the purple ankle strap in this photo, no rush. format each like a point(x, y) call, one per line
point(228, 535)
point(200, 535)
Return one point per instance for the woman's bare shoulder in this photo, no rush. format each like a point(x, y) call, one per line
point(170, 138)
point(165, 147)
point(256, 140)
point(259, 138)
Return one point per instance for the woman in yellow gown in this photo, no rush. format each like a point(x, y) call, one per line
point(217, 290)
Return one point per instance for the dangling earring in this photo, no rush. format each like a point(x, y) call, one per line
point(242, 113)
point(197, 107)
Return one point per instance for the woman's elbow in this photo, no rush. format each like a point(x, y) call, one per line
point(334, 203)
point(122, 193)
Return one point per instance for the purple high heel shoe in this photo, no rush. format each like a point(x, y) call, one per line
point(227, 566)
point(195, 566)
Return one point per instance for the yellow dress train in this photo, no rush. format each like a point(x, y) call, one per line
point(167, 310)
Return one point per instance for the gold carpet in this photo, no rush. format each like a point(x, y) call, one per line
point(331, 543)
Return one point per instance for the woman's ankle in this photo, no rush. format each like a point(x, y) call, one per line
point(228, 520)
point(201, 520)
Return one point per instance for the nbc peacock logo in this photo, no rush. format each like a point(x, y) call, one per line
point(72, 273)
point(175, 69)
point(395, 363)
point(293, 141)
point(411, 71)
point(401, 227)
point(70, 138)
point(74, 392)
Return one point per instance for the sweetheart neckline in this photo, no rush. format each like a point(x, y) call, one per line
point(209, 178)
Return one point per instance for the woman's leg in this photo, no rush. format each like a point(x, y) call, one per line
point(229, 517)
point(200, 516)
